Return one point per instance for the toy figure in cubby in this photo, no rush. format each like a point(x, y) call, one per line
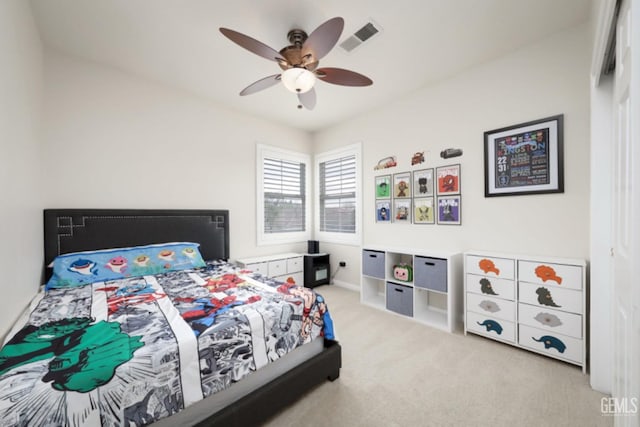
point(403, 272)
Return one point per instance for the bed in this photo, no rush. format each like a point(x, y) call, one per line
point(297, 352)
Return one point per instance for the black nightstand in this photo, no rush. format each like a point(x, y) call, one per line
point(317, 270)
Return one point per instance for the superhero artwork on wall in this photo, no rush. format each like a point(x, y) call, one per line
point(449, 210)
point(383, 187)
point(423, 210)
point(448, 180)
point(402, 185)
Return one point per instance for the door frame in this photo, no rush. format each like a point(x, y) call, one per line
point(600, 268)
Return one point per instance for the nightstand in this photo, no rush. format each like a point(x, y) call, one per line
point(317, 270)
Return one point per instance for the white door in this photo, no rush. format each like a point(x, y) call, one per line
point(626, 217)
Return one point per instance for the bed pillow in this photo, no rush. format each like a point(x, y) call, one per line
point(81, 268)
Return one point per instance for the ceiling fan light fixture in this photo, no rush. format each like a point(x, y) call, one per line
point(299, 61)
point(298, 80)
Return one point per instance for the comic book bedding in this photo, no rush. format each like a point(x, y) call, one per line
point(137, 349)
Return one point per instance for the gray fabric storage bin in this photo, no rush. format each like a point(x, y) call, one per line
point(373, 263)
point(400, 298)
point(430, 273)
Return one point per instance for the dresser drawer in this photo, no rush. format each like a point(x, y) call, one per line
point(565, 276)
point(491, 286)
point(430, 273)
point(491, 327)
point(491, 306)
point(294, 265)
point(555, 321)
point(277, 267)
point(258, 267)
point(551, 296)
point(490, 266)
point(550, 343)
point(373, 263)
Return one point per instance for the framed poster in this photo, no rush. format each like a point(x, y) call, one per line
point(449, 210)
point(383, 211)
point(524, 159)
point(423, 183)
point(423, 211)
point(402, 211)
point(402, 185)
point(383, 187)
point(448, 179)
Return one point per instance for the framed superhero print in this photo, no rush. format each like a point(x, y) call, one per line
point(449, 210)
point(383, 187)
point(402, 185)
point(448, 179)
point(423, 183)
point(423, 210)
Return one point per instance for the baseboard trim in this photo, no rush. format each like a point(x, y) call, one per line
point(346, 285)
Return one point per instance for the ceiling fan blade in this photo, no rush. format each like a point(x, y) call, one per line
point(261, 84)
point(323, 38)
point(340, 76)
point(252, 45)
point(308, 99)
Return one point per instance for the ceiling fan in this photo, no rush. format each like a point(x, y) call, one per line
point(299, 61)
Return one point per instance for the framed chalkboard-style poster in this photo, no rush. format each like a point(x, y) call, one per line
point(524, 159)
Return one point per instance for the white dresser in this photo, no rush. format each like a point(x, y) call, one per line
point(278, 266)
point(533, 302)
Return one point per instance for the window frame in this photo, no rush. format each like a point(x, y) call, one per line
point(355, 238)
point(266, 151)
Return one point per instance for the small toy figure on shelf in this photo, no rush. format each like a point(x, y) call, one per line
point(403, 272)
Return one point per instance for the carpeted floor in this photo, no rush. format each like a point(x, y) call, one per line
point(397, 372)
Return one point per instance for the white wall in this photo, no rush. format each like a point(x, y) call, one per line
point(544, 79)
point(21, 214)
point(113, 140)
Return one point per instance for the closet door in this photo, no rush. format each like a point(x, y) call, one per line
point(626, 211)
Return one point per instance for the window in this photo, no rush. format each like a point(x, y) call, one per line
point(282, 199)
point(338, 181)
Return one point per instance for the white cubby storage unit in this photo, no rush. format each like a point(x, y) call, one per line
point(536, 303)
point(432, 297)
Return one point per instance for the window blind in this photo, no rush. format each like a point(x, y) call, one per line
point(338, 195)
point(284, 195)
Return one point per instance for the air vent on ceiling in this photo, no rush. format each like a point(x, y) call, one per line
point(365, 33)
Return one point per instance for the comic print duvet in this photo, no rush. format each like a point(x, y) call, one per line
point(135, 350)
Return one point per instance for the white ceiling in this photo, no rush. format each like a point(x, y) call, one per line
point(177, 42)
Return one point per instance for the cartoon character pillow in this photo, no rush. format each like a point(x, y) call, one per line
point(82, 268)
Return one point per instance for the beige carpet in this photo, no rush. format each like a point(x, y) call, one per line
point(397, 372)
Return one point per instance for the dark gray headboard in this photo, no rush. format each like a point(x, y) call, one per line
point(73, 230)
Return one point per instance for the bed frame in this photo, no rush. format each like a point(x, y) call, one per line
point(73, 230)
